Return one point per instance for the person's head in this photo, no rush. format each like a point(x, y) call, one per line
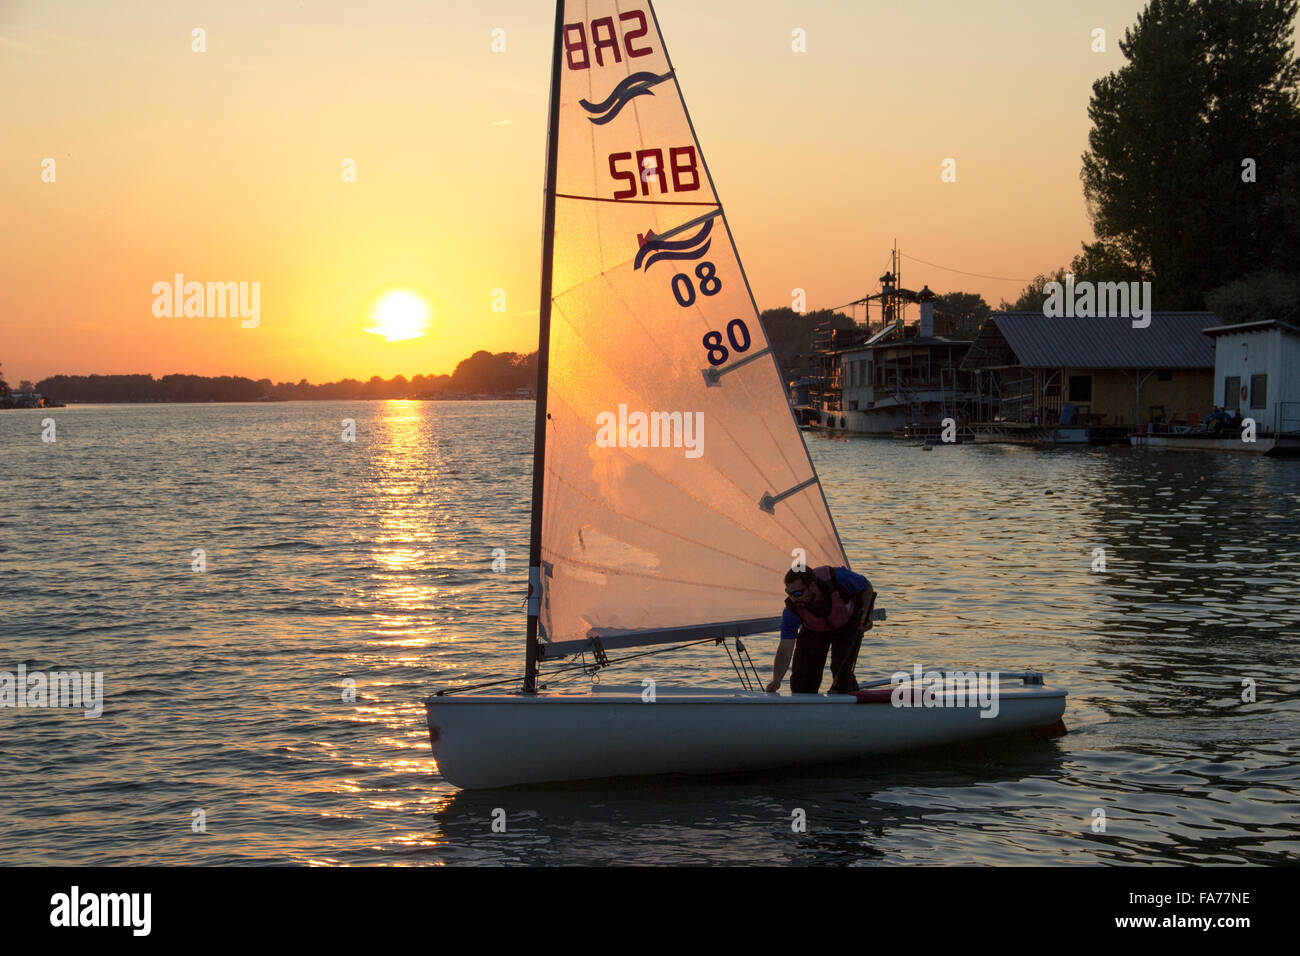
point(801, 587)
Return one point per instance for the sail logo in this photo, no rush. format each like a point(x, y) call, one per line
point(604, 39)
point(653, 250)
point(1099, 299)
point(682, 165)
point(684, 430)
point(956, 689)
point(638, 84)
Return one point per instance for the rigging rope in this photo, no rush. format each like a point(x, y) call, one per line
point(580, 667)
point(977, 275)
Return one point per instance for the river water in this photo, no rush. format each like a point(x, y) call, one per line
point(226, 736)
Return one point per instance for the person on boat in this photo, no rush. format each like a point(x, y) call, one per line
point(826, 609)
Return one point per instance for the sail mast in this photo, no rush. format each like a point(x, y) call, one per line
point(543, 355)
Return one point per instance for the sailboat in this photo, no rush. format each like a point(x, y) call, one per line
point(672, 488)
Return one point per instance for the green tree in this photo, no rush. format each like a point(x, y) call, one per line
point(1208, 86)
point(959, 313)
point(1099, 262)
point(1260, 295)
point(793, 335)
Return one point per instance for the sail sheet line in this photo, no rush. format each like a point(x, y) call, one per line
point(744, 276)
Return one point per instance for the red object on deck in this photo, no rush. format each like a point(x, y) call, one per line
point(875, 695)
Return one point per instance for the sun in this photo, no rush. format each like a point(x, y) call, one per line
point(399, 315)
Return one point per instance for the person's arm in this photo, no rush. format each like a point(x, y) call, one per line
point(784, 650)
point(866, 598)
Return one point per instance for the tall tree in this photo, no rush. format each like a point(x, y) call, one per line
point(793, 335)
point(1208, 86)
point(1099, 262)
point(959, 313)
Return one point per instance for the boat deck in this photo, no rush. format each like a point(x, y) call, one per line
point(1009, 684)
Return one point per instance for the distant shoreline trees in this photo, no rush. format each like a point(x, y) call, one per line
point(500, 375)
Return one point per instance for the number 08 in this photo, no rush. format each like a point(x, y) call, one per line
point(684, 289)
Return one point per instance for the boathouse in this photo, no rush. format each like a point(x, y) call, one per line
point(1257, 373)
point(1096, 373)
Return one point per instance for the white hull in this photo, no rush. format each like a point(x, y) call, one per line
point(1261, 446)
point(498, 741)
point(887, 416)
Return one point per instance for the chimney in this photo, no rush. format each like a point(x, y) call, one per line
point(927, 311)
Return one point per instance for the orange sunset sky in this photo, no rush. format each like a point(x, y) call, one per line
point(226, 165)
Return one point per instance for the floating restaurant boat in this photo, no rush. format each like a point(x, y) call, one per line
point(890, 377)
point(636, 541)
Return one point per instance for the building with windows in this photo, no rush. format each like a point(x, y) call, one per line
point(1257, 373)
point(901, 376)
point(1075, 379)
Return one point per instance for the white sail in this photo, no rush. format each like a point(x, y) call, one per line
point(677, 487)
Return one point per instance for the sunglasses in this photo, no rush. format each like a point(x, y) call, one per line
point(798, 593)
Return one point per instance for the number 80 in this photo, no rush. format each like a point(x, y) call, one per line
point(737, 334)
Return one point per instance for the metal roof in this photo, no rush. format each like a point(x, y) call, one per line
point(1172, 340)
point(1263, 325)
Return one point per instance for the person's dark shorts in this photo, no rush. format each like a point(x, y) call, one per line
point(810, 650)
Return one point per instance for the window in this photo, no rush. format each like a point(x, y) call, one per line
point(1080, 388)
point(1259, 391)
point(1232, 391)
point(1164, 376)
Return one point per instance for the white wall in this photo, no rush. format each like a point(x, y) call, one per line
point(1271, 352)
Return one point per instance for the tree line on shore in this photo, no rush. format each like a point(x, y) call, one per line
point(499, 375)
